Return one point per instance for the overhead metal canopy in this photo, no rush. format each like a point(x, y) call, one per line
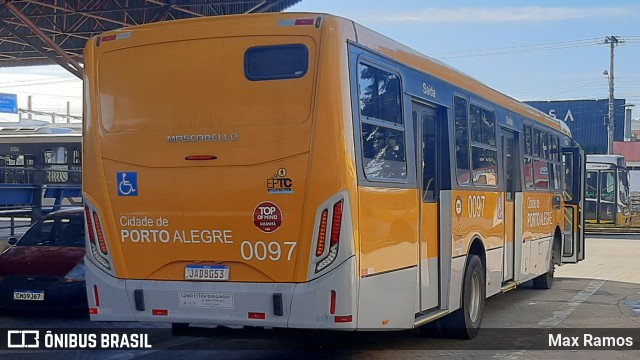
point(39, 32)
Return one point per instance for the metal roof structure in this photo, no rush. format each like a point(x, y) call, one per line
point(40, 32)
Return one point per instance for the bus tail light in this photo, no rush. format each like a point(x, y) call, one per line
point(160, 312)
point(336, 224)
point(96, 295)
point(332, 307)
point(101, 241)
point(87, 216)
point(344, 319)
point(322, 233)
point(97, 241)
point(257, 315)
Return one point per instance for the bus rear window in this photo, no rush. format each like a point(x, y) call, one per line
point(276, 62)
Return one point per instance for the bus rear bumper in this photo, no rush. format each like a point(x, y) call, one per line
point(310, 305)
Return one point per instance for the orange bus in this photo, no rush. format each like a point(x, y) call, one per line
point(302, 171)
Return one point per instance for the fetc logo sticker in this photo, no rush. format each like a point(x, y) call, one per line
point(267, 217)
point(279, 184)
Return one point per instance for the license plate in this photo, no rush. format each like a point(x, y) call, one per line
point(206, 300)
point(206, 272)
point(29, 295)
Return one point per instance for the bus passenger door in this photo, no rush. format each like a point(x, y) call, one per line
point(573, 190)
point(425, 118)
point(509, 156)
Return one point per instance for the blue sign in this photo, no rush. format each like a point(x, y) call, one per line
point(587, 120)
point(127, 183)
point(9, 103)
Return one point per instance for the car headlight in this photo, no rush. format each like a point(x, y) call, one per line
point(75, 274)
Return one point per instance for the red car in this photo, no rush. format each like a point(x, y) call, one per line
point(45, 268)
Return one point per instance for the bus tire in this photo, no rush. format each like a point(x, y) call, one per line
point(465, 322)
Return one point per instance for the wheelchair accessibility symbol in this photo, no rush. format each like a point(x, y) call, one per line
point(127, 184)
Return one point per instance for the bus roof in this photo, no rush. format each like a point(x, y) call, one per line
point(365, 37)
point(615, 159)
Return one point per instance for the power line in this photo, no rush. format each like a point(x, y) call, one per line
point(561, 45)
point(570, 90)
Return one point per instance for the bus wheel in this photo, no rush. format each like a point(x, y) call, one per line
point(464, 323)
point(545, 281)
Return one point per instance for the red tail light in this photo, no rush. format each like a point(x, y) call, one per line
point(257, 315)
point(87, 214)
point(336, 223)
point(332, 309)
point(304, 21)
point(201, 157)
point(96, 296)
point(101, 242)
point(97, 240)
point(322, 233)
point(344, 319)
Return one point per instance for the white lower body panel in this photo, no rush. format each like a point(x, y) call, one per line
point(304, 305)
point(387, 300)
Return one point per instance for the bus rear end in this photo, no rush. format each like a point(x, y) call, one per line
point(204, 199)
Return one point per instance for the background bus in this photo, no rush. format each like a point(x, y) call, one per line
point(302, 171)
point(40, 171)
point(607, 197)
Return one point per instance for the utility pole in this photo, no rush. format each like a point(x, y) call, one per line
point(613, 42)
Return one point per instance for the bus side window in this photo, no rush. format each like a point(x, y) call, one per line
point(484, 154)
point(461, 133)
point(383, 142)
point(379, 94)
point(429, 156)
point(383, 152)
point(528, 159)
point(568, 178)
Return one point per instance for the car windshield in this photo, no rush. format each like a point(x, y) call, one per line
point(59, 230)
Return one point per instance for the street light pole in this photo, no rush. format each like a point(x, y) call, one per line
point(613, 42)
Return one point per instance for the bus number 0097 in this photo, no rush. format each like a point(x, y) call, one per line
point(476, 206)
point(262, 251)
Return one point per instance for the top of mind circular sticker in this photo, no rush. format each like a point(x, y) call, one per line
point(267, 217)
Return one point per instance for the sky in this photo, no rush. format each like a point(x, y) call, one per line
point(527, 49)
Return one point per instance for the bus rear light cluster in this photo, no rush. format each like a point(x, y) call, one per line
point(101, 242)
point(87, 215)
point(336, 224)
point(98, 251)
point(322, 233)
